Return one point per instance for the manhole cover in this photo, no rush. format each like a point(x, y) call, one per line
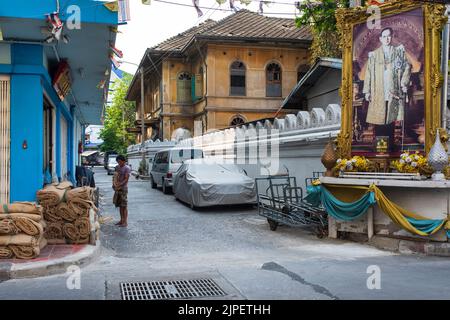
point(177, 289)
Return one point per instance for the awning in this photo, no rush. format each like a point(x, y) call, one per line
point(89, 153)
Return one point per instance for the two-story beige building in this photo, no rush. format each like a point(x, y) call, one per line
point(220, 74)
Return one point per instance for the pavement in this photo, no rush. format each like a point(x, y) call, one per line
point(53, 259)
point(166, 240)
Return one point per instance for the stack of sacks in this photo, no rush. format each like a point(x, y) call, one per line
point(21, 230)
point(50, 198)
point(67, 212)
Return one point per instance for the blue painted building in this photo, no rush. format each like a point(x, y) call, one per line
point(51, 88)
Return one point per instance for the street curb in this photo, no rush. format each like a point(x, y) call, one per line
point(57, 266)
point(411, 247)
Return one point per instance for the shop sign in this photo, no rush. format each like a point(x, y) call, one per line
point(61, 81)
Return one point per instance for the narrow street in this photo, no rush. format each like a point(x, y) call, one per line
point(166, 240)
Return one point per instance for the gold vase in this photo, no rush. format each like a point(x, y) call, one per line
point(329, 158)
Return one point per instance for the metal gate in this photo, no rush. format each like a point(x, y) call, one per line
point(4, 138)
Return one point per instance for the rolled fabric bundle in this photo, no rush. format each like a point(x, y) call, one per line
point(6, 253)
point(73, 235)
point(71, 232)
point(29, 226)
point(33, 217)
point(20, 240)
point(7, 226)
point(54, 230)
point(21, 207)
point(50, 196)
point(66, 212)
point(51, 214)
point(25, 252)
point(84, 227)
point(85, 193)
point(28, 252)
point(81, 207)
point(65, 185)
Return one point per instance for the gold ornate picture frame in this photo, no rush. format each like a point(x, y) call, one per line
point(433, 22)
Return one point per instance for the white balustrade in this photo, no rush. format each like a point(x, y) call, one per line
point(317, 117)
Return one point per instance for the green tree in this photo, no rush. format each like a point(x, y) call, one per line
point(119, 115)
point(320, 16)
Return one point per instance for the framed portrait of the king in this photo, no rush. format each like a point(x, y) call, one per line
point(391, 78)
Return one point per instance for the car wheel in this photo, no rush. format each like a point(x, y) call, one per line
point(165, 188)
point(153, 184)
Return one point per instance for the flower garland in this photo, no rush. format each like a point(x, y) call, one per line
point(411, 163)
point(354, 164)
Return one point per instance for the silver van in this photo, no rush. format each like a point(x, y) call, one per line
point(166, 163)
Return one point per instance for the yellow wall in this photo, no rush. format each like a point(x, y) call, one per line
point(255, 105)
point(217, 105)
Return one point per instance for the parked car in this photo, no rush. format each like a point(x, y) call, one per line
point(201, 184)
point(166, 163)
point(109, 155)
point(112, 163)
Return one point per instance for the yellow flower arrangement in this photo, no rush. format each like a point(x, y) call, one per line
point(354, 164)
point(411, 163)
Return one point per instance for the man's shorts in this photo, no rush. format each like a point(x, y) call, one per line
point(121, 198)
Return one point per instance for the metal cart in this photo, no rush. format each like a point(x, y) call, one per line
point(280, 200)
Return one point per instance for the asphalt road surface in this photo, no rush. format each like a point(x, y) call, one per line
point(166, 240)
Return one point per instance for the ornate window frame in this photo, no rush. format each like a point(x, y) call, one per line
point(434, 20)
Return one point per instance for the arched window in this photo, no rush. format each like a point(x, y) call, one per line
point(273, 80)
point(237, 79)
point(184, 88)
point(301, 71)
point(237, 121)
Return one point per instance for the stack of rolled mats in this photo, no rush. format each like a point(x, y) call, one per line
point(21, 230)
point(67, 213)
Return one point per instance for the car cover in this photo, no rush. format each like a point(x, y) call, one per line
point(203, 184)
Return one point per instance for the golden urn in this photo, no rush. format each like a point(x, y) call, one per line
point(329, 158)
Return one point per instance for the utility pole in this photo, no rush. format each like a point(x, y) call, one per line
point(141, 111)
point(142, 114)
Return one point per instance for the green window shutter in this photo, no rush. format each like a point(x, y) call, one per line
point(193, 89)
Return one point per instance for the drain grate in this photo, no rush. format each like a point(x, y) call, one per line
point(177, 289)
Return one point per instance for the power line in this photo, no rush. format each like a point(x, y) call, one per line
point(219, 9)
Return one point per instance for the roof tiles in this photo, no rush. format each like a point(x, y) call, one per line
point(242, 24)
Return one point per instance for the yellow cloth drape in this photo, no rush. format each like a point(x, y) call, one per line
point(395, 212)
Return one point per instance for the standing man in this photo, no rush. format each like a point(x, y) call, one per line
point(120, 186)
point(386, 84)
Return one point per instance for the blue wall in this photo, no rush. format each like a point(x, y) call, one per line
point(29, 80)
point(91, 11)
point(26, 124)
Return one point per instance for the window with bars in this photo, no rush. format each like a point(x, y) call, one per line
point(273, 80)
point(237, 121)
point(237, 79)
point(184, 88)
